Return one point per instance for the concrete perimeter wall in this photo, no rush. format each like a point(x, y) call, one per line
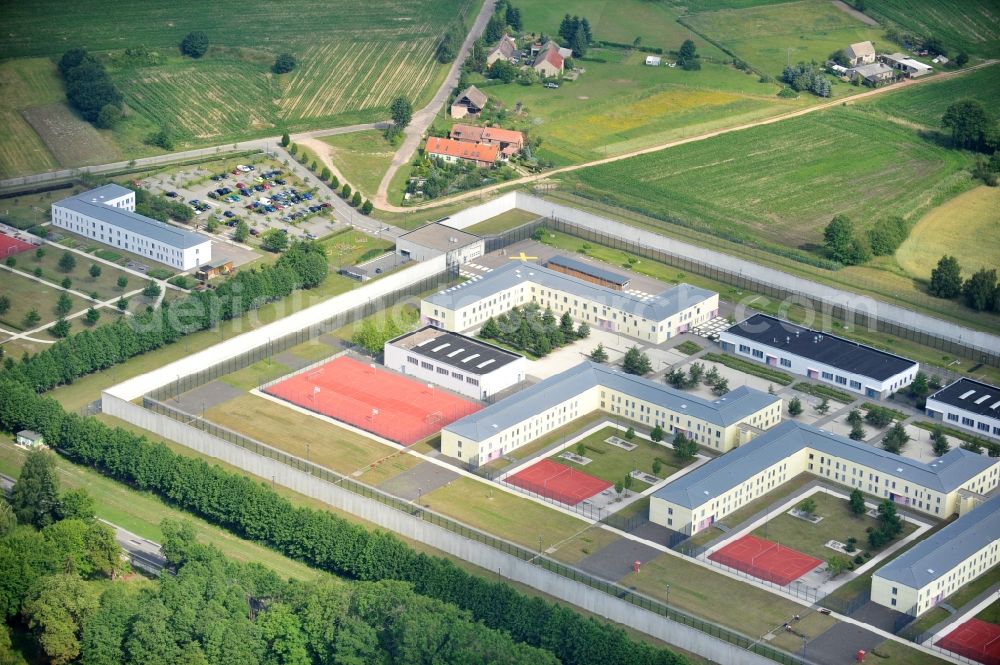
point(218, 353)
point(857, 309)
point(416, 528)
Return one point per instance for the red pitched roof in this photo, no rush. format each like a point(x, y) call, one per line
point(467, 133)
point(552, 56)
point(502, 135)
point(479, 152)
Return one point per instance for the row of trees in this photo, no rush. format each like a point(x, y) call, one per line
point(696, 374)
point(89, 89)
point(352, 197)
point(981, 291)
point(844, 244)
point(530, 329)
point(303, 266)
point(320, 538)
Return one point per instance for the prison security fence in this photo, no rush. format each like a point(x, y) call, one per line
point(272, 347)
point(744, 281)
point(524, 554)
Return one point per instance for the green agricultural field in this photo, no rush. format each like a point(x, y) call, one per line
point(353, 59)
point(25, 84)
point(612, 463)
point(966, 227)
point(926, 104)
point(362, 157)
point(962, 25)
point(771, 36)
point(782, 183)
point(622, 105)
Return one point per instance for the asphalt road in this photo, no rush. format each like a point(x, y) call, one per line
point(143, 553)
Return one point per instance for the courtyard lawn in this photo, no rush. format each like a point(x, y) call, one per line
point(838, 524)
point(362, 158)
point(966, 227)
point(286, 429)
point(26, 294)
point(105, 285)
point(990, 614)
point(348, 247)
point(553, 438)
point(504, 514)
point(502, 222)
point(142, 512)
point(612, 463)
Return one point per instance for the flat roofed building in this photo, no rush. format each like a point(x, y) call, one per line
point(819, 356)
point(465, 365)
point(107, 214)
point(655, 320)
point(912, 68)
point(500, 428)
point(875, 72)
point(588, 272)
point(435, 239)
point(933, 569)
point(700, 498)
point(968, 404)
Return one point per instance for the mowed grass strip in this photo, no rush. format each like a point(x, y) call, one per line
point(502, 513)
point(286, 429)
point(612, 463)
point(362, 157)
point(782, 183)
point(142, 512)
point(838, 523)
point(966, 227)
point(502, 222)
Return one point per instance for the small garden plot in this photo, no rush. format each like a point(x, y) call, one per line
point(576, 459)
point(621, 443)
point(636, 468)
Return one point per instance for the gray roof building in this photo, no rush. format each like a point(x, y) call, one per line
point(439, 237)
point(945, 474)
point(672, 301)
point(981, 399)
point(724, 411)
point(588, 269)
point(470, 355)
point(93, 203)
point(937, 555)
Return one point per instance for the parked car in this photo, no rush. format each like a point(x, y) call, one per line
point(229, 213)
point(550, 84)
point(254, 232)
point(311, 236)
point(172, 195)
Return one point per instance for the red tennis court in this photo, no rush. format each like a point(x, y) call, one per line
point(765, 559)
point(10, 246)
point(558, 482)
point(974, 639)
point(373, 399)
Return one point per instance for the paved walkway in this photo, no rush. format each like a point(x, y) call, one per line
point(422, 119)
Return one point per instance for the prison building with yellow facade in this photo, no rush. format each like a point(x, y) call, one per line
point(698, 499)
point(499, 429)
point(650, 319)
point(923, 576)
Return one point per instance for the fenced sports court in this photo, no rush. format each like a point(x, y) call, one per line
point(373, 399)
point(765, 559)
point(976, 640)
point(558, 482)
point(10, 246)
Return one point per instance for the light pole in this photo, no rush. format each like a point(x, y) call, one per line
point(308, 445)
point(420, 494)
point(539, 544)
point(668, 595)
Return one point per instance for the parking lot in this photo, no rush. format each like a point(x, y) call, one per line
point(264, 194)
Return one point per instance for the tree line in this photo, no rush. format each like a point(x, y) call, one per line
point(254, 511)
point(981, 291)
point(303, 266)
point(530, 329)
point(89, 89)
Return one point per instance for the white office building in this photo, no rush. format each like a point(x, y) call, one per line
point(969, 405)
point(819, 356)
point(107, 214)
point(464, 365)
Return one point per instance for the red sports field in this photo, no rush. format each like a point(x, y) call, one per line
point(974, 639)
point(10, 246)
point(765, 559)
point(373, 399)
point(558, 482)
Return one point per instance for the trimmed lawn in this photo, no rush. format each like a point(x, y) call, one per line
point(142, 512)
point(105, 285)
point(521, 520)
point(838, 524)
point(581, 546)
point(26, 294)
point(286, 429)
point(502, 222)
point(347, 247)
point(612, 463)
point(254, 375)
point(569, 429)
point(362, 157)
point(991, 613)
point(959, 599)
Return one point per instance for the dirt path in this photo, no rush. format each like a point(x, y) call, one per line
point(388, 207)
point(322, 151)
point(861, 16)
point(422, 119)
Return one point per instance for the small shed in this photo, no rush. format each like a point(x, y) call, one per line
point(210, 270)
point(940, 60)
point(653, 60)
point(30, 439)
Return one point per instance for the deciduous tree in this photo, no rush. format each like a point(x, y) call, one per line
point(194, 44)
